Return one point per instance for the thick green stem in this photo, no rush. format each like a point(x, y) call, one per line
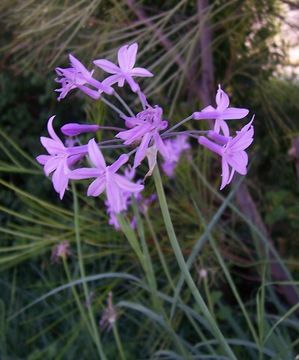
point(82, 274)
point(183, 266)
point(76, 296)
point(118, 342)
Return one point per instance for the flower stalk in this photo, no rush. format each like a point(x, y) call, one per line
point(183, 266)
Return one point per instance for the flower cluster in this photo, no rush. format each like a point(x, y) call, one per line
point(146, 134)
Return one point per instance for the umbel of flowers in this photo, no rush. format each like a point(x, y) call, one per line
point(146, 134)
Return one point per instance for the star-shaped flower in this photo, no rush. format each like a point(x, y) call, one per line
point(106, 178)
point(232, 151)
point(77, 76)
point(60, 159)
point(145, 128)
point(126, 70)
point(221, 112)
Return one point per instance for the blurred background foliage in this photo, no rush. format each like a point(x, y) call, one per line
point(248, 60)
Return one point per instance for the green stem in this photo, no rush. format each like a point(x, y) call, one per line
point(124, 104)
point(148, 266)
point(145, 261)
point(183, 266)
point(180, 123)
point(118, 342)
point(112, 106)
point(169, 278)
point(76, 296)
point(82, 275)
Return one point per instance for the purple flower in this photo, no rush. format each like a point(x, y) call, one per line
point(61, 251)
point(106, 178)
point(60, 159)
point(126, 70)
point(74, 129)
point(129, 174)
point(221, 113)
point(77, 76)
point(145, 128)
point(232, 151)
point(145, 203)
point(175, 148)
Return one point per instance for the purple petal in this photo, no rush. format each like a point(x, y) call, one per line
point(221, 125)
point(85, 173)
point(134, 134)
point(52, 164)
point(73, 159)
point(161, 146)
point(52, 146)
point(79, 66)
point(243, 139)
point(118, 163)
point(60, 179)
point(127, 185)
point(115, 196)
point(234, 113)
point(131, 55)
point(133, 85)
point(51, 130)
point(225, 174)
point(96, 155)
point(94, 94)
point(111, 80)
point(42, 159)
point(141, 151)
point(222, 100)
point(96, 187)
point(238, 162)
point(122, 57)
point(107, 66)
point(141, 72)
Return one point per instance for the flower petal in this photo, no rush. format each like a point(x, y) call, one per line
point(238, 162)
point(76, 64)
point(94, 94)
point(111, 80)
point(96, 155)
point(131, 55)
point(122, 57)
point(51, 165)
point(222, 100)
point(96, 187)
point(141, 72)
point(115, 196)
point(60, 179)
point(84, 173)
point(42, 159)
point(161, 146)
point(118, 163)
point(51, 130)
point(225, 174)
point(234, 113)
point(52, 146)
point(224, 127)
point(107, 66)
point(141, 151)
point(127, 185)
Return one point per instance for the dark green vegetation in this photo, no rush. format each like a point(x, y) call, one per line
point(45, 310)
